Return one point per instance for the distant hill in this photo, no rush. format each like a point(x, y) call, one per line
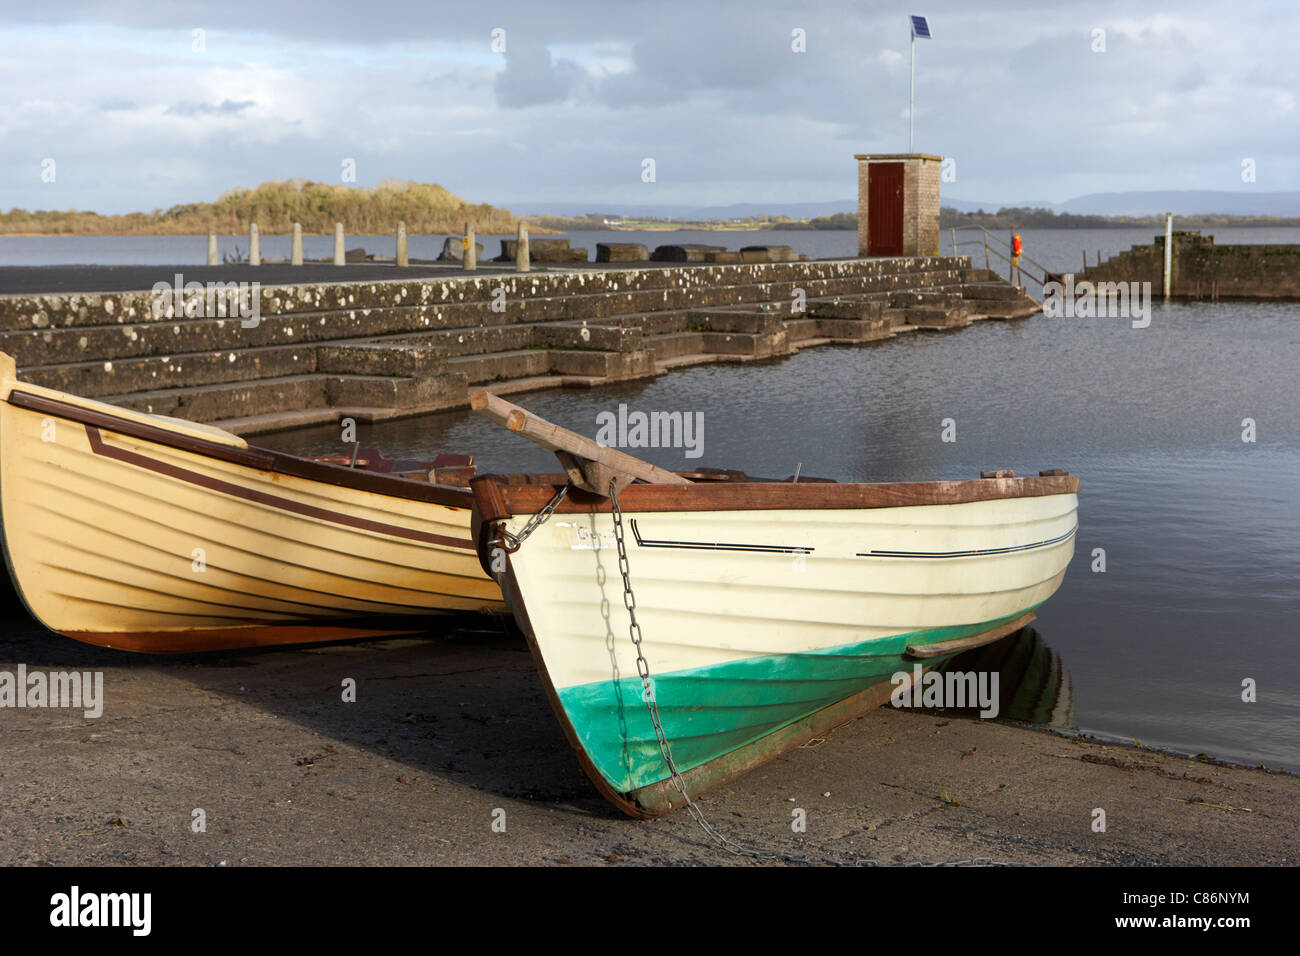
point(580, 209)
point(1181, 202)
point(1026, 217)
point(1186, 202)
point(275, 206)
point(1136, 204)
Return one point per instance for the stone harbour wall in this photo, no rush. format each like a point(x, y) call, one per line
point(1204, 270)
point(382, 349)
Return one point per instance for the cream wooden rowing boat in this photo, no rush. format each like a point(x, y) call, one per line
point(148, 533)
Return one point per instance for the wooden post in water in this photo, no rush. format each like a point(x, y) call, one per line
point(254, 246)
point(339, 257)
point(1169, 250)
point(522, 261)
point(402, 261)
point(212, 248)
point(469, 251)
point(986, 248)
point(295, 253)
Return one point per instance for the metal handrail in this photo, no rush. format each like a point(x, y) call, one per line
point(1014, 269)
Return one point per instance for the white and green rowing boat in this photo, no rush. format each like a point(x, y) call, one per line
point(765, 613)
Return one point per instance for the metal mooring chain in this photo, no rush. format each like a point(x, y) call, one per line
point(647, 695)
point(511, 543)
point(647, 685)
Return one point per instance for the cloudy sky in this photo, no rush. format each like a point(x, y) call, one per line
point(148, 103)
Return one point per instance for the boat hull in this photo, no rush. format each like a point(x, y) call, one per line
point(150, 534)
point(764, 626)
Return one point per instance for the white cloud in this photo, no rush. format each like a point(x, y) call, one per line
point(711, 90)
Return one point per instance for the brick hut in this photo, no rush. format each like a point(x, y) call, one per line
point(898, 204)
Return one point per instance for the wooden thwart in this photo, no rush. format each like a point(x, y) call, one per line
point(590, 466)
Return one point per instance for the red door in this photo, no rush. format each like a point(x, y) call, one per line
point(885, 209)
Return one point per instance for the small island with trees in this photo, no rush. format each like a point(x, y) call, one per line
point(430, 209)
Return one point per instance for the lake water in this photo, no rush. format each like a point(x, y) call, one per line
point(1060, 250)
point(1201, 531)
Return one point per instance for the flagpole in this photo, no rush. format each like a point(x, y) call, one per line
point(911, 93)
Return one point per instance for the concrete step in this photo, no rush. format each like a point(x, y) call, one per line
point(864, 307)
point(607, 366)
point(687, 361)
point(318, 393)
point(494, 366)
point(82, 343)
point(933, 299)
point(530, 363)
point(675, 344)
point(426, 392)
point(384, 359)
point(855, 330)
point(748, 344)
point(678, 345)
point(475, 341)
point(935, 318)
point(97, 379)
point(208, 403)
point(648, 323)
point(274, 421)
point(470, 341)
point(734, 321)
point(992, 290)
point(582, 335)
point(1019, 308)
point(798, 331)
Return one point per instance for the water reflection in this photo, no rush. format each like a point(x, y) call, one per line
point(1033, 684)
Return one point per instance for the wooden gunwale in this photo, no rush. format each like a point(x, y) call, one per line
point(261, 459)
point(507, 499)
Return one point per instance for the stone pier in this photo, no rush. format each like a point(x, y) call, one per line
point(374, 350)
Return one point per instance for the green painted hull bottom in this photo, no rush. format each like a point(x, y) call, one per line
point(709, 712)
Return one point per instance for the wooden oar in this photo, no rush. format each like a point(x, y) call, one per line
point(590, 466)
